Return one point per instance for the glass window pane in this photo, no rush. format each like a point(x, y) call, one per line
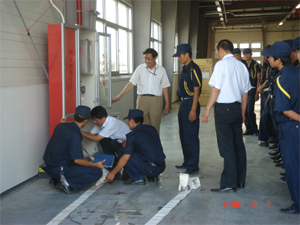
point(235, 45)
point(110, 11)
point(256, 45)
point(244, 45)
point(113, 39)
point(151, 44)
point(159, 54)
point(152, 35)
point(255, 54)
point(258, 61)
point(130, 53)
point(122, 15)
point(155, 31)
point(123, 57)
point(129, 18)
point(99, 8)
point(99, 27)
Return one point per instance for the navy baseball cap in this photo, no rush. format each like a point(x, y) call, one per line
point(236, 51)
point(278, 49)
point(296, 43)
point(134, 113)
point(266, 48)
point(181, 49)
point(83, 111)
point(247, 50)
point(289, 42)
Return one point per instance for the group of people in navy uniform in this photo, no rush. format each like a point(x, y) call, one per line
point(236, 85)
point(278, 88)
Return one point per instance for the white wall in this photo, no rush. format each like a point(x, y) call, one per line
point(24, 110)
point(23, 89)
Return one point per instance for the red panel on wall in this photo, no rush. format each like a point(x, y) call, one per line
point(55, 73)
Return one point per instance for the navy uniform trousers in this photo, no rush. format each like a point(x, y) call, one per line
point(266, 127)
point(136, 167)
point(228, 123)
point(77, 176)
point(189, 134)
point(250, 116)
point(289, 143)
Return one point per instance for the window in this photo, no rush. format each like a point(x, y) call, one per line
point(256, 45)
point(256, 54)
point(116, 19)
point(244, 45)
point(156, 40)
point(235, 45)
point(175, 65)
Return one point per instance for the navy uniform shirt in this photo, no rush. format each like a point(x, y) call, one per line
point(253, 69)
point(287, 92)
point(296, 63)
point(272, 80)
point(64, 146)
point(265, 74)
point(144, 141)
point(191, 77)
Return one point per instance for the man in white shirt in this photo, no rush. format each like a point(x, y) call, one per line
point(108, 130)
point(151, 80)
point(230, 85)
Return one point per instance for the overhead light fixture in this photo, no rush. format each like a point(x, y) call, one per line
point(222, 19)
point(219, 9)
point(220, 14)
point(280, 23)
point(298, 6)
point(217, 3)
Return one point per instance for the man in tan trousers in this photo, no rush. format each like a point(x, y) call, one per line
point(152, 81)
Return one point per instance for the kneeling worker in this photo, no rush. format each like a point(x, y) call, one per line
point(64, 156)
point(143, 154)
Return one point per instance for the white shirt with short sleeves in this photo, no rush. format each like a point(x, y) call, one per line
point(231, 77)
point(112, 128)
point(150, 81)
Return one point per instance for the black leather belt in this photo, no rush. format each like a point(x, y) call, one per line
point(183, 98)
point(148, 95)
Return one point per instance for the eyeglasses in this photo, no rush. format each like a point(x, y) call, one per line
point(148, 59)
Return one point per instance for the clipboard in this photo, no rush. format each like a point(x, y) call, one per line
point(109, 159)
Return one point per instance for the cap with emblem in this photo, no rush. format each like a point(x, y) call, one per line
point(247, 50)
point(296, 43)
point(278, 49)
point(134, 113)
point(181, 49)
point(236, 51)
point(83, 111)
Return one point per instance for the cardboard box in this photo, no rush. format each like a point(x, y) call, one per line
point(206, 70)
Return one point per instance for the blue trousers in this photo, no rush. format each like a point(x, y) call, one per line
point(77, 176)
point(289, 143)
point(263, 98)
point(189, 134)
point(137, 168)
point(250, 116)
point(266, 128)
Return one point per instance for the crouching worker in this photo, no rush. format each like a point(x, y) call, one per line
point(64, 157)
point(143, 154)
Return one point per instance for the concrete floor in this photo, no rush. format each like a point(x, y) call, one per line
point(35, 202)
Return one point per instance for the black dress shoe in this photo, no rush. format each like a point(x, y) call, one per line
point(255, 133)
point(273, 146)
point(282, 178)
point(248, 133)
point(279, 164)
point(188, 171)
point(277, 161)
point(136, 182)
point(223, 189)
point(180, 166)
point(276, 157)
point(282, 174)
point(153, 179)
point(241, 185)
point(289, 210)
point(55, 183)
point(273, 153)
point(263, 144)
point(271, 141)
